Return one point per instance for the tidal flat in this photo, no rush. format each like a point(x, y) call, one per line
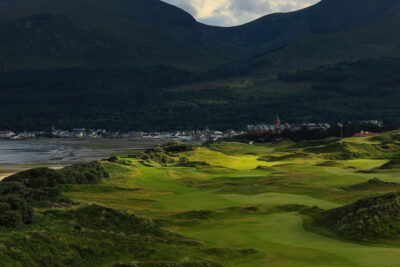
point(20, 155)
point(58, 151)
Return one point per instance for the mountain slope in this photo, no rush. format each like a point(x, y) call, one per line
point(87, 33)
point(343, 32)
point(125, 33)
point(329, 31)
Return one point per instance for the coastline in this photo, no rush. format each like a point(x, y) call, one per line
point(70, 151)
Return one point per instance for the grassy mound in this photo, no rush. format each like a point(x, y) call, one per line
point(374, 184)
point(170, 264)
point(98, 236)
point(282, 156)
point(345, 150)
point(195, 215)
point(331, 163)
point(167, 155)
point(236, 148)
point(265, 168)
point(87, 173)
point(177, 147)
point(367, 219)
point(19, 191)
point(392, 164)
point(314, 143)
point(386, 137)
point(100, 218)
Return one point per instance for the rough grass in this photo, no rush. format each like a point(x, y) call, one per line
point(370, 218)
point(345, 150)
point(392, 164)
point(331, 164)
point(239, 210)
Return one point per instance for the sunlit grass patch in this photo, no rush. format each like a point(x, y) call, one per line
point(215, 158)
point(363, 164)
point(232, 148)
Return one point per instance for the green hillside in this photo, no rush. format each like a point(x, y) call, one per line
point(164, 98)
point(224, 204)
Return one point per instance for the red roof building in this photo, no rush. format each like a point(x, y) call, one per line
point(365, 134)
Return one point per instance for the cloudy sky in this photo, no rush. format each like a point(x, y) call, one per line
point(235, 12)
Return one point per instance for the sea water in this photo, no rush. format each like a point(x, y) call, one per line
point(39, 151)
point(64, 151)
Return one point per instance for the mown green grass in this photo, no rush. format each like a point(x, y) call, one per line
point(237, 162)
point(248, 206)
point(282, 241)
point(241, 148)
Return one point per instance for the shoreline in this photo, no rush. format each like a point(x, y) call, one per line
point(74, 150)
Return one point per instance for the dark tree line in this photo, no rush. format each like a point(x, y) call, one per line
point(372, 76)
point(140, 98)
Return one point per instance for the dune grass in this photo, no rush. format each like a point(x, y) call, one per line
point(244, 202)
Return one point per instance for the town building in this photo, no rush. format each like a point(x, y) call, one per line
point(262, 128)
point(365, 134)
point(6, 134)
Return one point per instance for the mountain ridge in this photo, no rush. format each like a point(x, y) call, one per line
point(125, 33)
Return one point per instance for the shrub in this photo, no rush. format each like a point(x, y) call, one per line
point(37, 178)
point(4, 206)
point(19, 205)
point(12, 188)
point(15, 202)
point(369, 218)
point(86, 173)
point(111, 220)
point(166, 155)
point(113, 159)
point(11, 218)
point(177, 147)
point(393, 164)
point(41, 184)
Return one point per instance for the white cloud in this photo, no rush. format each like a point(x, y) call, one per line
point(235, 12)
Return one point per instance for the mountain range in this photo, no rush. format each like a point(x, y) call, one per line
point(125, 33)
point(118, 49)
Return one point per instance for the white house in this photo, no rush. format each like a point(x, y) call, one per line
point(6, 134)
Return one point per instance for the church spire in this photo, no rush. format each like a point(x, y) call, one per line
point(277, 121)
